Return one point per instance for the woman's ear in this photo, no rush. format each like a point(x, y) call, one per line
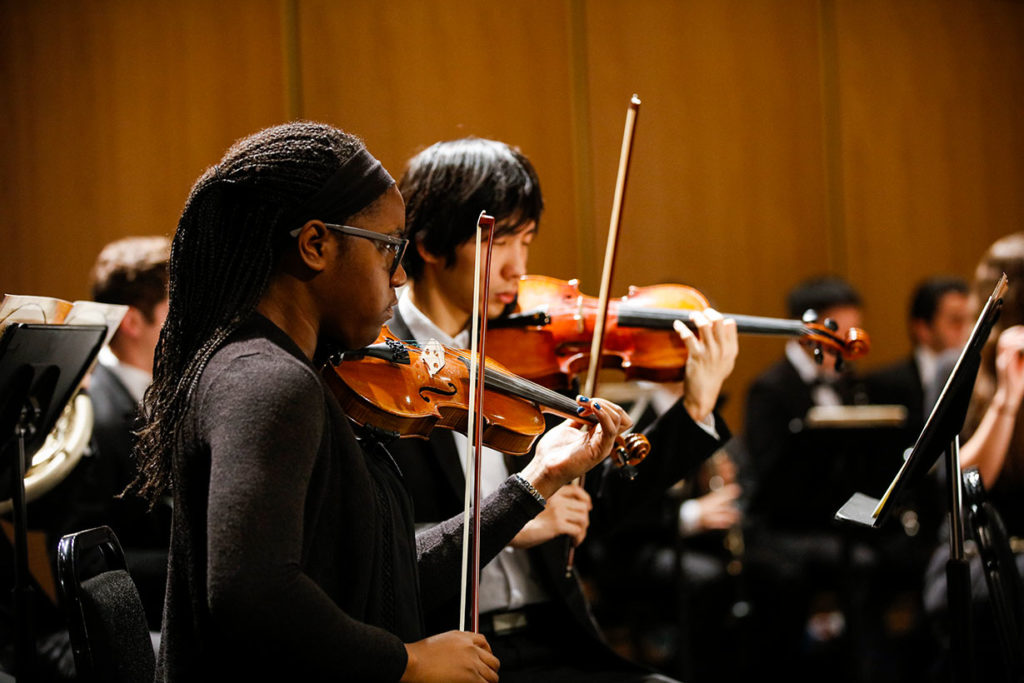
point(311, 245)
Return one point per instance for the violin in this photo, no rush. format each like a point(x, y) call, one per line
point(547, 337)
point(406, 390)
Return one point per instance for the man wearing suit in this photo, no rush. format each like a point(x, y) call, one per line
point(939, 324)
point(536, 616)
point(133, 272)
point(790, 476)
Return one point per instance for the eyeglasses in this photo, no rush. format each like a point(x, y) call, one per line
point(385, 243)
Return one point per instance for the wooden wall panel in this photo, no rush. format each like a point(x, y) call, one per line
point(408, 73)
point(110, 111)
point(776, 140)
point(932, 144)
point(727, 190)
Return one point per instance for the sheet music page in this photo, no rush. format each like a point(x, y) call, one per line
point(93, 313)
point(20, 308)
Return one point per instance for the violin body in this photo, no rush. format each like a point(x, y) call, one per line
point(552, 353)
point(408, 390)
point(431, 391)
point(548, 338)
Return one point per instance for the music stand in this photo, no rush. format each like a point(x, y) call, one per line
point(41, 366)
point(941, 434)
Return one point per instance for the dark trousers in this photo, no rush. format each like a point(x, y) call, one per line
point(552, 646)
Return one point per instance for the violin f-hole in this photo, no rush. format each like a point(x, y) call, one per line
point(434, 390)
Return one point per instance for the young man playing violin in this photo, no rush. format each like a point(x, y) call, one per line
point(533, 612)
point(293, 555)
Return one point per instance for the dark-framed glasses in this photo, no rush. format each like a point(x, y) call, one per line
point(386, 243)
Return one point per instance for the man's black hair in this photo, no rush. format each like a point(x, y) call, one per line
point(821, 293)
point(928, 293)
point(448, 184)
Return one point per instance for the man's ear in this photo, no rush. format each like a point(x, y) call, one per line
point(426, 255)
point(132, 323)
point(921, 331)
point(311, 245)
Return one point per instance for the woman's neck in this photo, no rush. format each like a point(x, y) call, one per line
point(287, 307)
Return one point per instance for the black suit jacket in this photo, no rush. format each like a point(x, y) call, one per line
point(899, 384)
point(144, 534)
point(434, 477)
point(795, 477)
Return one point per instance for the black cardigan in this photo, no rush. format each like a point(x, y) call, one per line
point(293, 552)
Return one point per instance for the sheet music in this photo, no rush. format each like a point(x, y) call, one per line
point(48, 310)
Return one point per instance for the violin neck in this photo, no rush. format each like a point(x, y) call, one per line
point(662, 319)
point(524, 388)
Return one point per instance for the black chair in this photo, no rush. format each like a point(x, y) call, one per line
point(1005, 586)
point(106, 621)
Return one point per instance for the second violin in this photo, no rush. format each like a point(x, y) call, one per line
point(547, 339)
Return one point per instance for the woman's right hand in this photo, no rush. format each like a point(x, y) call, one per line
point(451, 657)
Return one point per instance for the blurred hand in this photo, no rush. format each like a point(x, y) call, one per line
point(718, 508)
point(452, 657)
point(567, 452)
point(712, 356)
point(567, 513)
point(1009, 370)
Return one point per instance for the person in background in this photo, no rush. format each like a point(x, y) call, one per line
point(796, 564)
point(992, 441)
point(536, 616)
point(938, 324)
point(131, 271)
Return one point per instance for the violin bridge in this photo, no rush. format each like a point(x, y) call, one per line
point(432, 355)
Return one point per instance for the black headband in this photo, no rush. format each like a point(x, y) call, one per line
point(353, 187)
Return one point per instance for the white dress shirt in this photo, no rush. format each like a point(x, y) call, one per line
point(507, 582)
point(135, 380)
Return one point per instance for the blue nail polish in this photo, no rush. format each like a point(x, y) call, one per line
point(597, 406)
point(584, 399)
point(579, 411)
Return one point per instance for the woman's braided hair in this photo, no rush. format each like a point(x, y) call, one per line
point(234, 224)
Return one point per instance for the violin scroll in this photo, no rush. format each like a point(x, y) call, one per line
point(630, 452)
point(824, 337)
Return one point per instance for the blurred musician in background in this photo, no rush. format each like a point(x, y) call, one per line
point(939, 323)
point(992, 440)
point(133, 272)
point(794, 560)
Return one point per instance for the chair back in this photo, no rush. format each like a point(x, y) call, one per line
point(1005, 586)
point(110, 639)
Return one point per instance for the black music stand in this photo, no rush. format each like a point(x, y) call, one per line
point(941, 435)
point(41, 366)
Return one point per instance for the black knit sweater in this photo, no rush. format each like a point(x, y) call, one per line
point(293, 553)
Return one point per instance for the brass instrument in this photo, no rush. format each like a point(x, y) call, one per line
point(62, 450)
point(67, 441)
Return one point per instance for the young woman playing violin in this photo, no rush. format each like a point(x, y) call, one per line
point(536, 618)
point(293, 554)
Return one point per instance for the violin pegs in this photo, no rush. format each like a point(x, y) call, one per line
point(839, 363)
point(819, 355)
point(810, 316)
point(831, 324)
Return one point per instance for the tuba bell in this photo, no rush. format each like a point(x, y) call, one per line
point(62, 450)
